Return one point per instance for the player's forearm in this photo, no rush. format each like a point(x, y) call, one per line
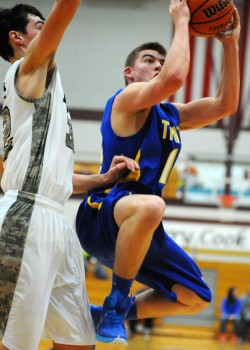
point(177, 62)
point(176, 66)
point(84, 183)
point(229, 88)
point(179, 53)
point(43, 48)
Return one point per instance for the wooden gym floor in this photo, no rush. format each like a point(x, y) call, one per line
point(140, 342)
point(162, 339)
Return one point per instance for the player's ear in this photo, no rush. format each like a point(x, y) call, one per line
point(15, 37)
point(128, 74)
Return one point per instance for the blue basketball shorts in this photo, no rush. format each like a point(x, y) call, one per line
point(165, 264)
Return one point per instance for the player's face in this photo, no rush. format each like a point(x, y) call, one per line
point(148, 64)
point(33, 28)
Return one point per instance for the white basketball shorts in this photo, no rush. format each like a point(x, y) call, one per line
point(44, 282)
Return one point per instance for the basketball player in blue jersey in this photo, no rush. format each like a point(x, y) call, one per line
point(122, 226)
point(42, 284)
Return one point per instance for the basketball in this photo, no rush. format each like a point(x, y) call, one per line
point(209, 17)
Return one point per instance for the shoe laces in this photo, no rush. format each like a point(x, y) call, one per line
point(114, 317)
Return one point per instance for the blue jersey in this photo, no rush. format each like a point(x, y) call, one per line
point(155, 147)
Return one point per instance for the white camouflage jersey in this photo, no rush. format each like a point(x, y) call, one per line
point(38, 141)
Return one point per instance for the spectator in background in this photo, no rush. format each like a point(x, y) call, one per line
point(230, 312)
point(245, 315)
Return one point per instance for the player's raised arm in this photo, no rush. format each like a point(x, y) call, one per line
point(44, 46)
point(167, 74)
point(38, 45)
point(202, 112)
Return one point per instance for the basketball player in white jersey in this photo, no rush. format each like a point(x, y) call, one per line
point(42, 282)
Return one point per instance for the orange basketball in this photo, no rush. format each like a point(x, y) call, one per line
point(209, 17)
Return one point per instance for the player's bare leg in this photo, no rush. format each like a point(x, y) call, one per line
point(137, 217)
point(150, 303)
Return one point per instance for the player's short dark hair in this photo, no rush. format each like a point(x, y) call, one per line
point(15, 18)
point(130, 60)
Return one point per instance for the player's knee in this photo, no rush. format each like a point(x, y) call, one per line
point(198, 306)
point(152, 209)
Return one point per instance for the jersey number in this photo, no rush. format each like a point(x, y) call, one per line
point(69, 136)
point(69, 141)
point(168, 166)
point(8, 141)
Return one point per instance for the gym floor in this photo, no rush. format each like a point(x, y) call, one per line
point(140, 342)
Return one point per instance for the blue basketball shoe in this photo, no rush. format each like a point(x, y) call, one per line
point(111, 328)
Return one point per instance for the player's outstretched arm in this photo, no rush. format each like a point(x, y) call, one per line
point(205, 111)
point(142, 95)
point(119, 166)
point(34, 72)
point(44, 45)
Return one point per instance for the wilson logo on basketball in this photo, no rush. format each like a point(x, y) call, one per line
point(209, 17)
point(216, 8)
